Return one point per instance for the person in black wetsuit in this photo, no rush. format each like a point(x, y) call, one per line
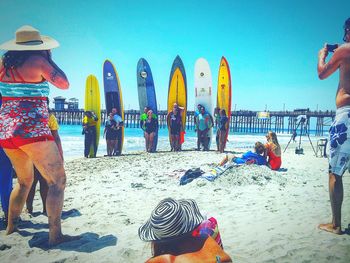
point(175, 121)
point(223, 129)
point(151, 125)
point(89, 130)
point(110, 133)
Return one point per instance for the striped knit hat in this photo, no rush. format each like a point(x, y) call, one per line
point(171, 218)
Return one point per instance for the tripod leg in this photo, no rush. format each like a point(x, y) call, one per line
point(291, 138)
point(288, 143)
point(311, 144)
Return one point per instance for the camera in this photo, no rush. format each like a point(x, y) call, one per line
point(331, 48)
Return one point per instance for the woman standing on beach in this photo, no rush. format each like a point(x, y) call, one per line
point(25, 70)
point(150, 130)
point(273, 151)
point(216, 122)
point(110, 133)
point(222, 129)
point(175, 125)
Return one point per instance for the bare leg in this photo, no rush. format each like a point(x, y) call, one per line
point(150, 143)
point(336, 193)
point(145, 136)
point(177, 143)
point(198, 140)
point(147, 141)
point(47, 160)
point(44, 188)
point(24, 170)
point(31, 194)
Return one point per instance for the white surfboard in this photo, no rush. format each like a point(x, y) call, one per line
point(203, 88)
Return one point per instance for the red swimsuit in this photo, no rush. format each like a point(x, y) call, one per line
point(274, 161)
point(23, 119)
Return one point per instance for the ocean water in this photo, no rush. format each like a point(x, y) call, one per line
point(73, 141)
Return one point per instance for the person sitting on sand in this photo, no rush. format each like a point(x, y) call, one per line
point(110, 133)
point(178, 232)
point(151, 125)
point(120, 123)
point(273, 151)
point(89, 130)
point(53, 126)
point(25, 70)
point(175, 123)
point(257, 157)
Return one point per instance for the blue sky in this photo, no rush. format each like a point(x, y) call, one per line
point(271, 46)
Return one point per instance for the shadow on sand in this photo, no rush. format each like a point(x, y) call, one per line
point(87, 243)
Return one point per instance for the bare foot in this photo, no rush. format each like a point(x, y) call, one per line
point(63, 239)
point(12, 226)
point(330, 228)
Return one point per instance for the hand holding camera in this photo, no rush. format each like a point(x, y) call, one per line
point(331, 47)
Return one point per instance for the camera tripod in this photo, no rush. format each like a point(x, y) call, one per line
point(303, 122)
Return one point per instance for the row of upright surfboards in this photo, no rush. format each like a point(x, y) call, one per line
point(177, 91)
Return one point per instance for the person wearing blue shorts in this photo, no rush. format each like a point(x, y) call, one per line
point(339, 131)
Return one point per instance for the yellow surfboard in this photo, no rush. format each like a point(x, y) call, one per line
point(177, 93)
point(93, 103)
point(224, 95)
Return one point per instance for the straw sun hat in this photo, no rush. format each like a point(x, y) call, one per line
point(171, 218)
point(29, 38)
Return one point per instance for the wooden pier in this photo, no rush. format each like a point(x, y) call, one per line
point(317, 122)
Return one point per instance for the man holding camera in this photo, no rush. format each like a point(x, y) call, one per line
point(339, 138)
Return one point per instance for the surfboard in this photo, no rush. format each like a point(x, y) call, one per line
point(146, 91)
point(177, 92)
point(203, 88)
point(113, 96)
point(93, 103)
point(224, 92)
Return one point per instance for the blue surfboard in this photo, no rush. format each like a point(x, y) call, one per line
point(178, 64)
point(113, 95)
point(146, 91)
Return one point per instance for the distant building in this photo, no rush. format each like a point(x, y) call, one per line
point(73, 104)
point(59, 102)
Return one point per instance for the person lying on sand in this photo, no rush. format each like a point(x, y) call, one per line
point(178, 232)
point(257, 157)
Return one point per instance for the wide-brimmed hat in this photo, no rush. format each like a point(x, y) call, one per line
point(171, 218)
point(29, 38)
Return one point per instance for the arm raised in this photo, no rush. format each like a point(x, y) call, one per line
point(52, 73)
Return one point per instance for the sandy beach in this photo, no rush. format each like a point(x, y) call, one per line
point(263, 215)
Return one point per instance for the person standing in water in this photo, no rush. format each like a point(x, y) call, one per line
point(25, 70)
point(339, 135)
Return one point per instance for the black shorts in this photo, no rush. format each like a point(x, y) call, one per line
point(175, 131)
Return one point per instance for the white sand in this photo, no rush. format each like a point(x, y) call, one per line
point(264, 216)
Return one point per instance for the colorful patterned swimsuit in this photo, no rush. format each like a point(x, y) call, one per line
point(24, 113)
